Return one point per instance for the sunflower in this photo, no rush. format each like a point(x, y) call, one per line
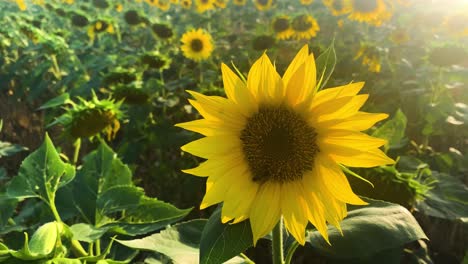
point(263, 5)
point(221, 3)
point(197, 44)
point(204, 5)
point(99, 26)
point(164, 5)
point(186, 4)
point(162, 31)
point(239, 2)
point(89, 118)
point(337, 7)
point(274, 147)
point(282, 27)
point(21, 5)
point(399, 36)
point(373, 12)
point(306, 2)
point(263, 42)
point(304, 27)
point(370, 57)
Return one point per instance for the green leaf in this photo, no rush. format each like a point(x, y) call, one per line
point(448, 200)
point(7, 207)
point(179, 242)
point(44, 239)
point(368, 230)
point(4, 250)
point(221, 242)
point(119, 198)
point(393, 130)
point(101, 170)
point(41, 174)
point(87, 233)
point(325, 65)
point(148, 215)
point(8, 149)
point(57, 101)
point(63, 261)
point(41, 244)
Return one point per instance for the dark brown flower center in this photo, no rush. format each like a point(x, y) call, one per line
point(301, 23)
point(278, 145)
point(280, 24)
point(263, 2)
point(196, 45)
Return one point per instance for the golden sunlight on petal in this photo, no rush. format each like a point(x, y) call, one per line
point(211, 147)
point(294, 209)
point(265, 211)
point(337, 92)
point(365, 159)
point(237, 91)
point(264, 82)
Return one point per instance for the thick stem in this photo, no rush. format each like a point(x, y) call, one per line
point(277, 243)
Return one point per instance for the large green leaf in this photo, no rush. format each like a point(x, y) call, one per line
point(393, 130)
point(179, 242)
point(368, 230)
point(41, 174)
point(448, 200)
point(87, 233)
point(101, 170)
point(325, 64)
point(221, 242)
point(105, 196)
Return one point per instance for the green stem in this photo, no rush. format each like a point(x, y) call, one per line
point(277, 243)
point(57, 71)
point(291, 251)
point(247, 259)
point(98, 247)
point(52, 207)
point(78, 249)
point(77, 145)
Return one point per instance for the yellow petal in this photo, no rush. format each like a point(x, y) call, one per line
point(216, 188)
point(333, 109)
point(208, 127)
point(236, 90)
point(264, 82)
point(211, 147)
point(239, 198)
point(316, 211)
point(265, 211)
point(333, 179)
point(360, 121)
point(323, 206)
point(217, 108)
point(216, 166)
point(294, 209)
point(337, 92)
point(332, 141)
point(297, 62)
point(365, 159)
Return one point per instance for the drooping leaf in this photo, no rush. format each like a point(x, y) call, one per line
point(57, 101)
point(41, 174)
point(393, 130)
point(221, 242)
point(368, 230)
point(325, 64)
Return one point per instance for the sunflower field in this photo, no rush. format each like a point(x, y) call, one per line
point(233, 131)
